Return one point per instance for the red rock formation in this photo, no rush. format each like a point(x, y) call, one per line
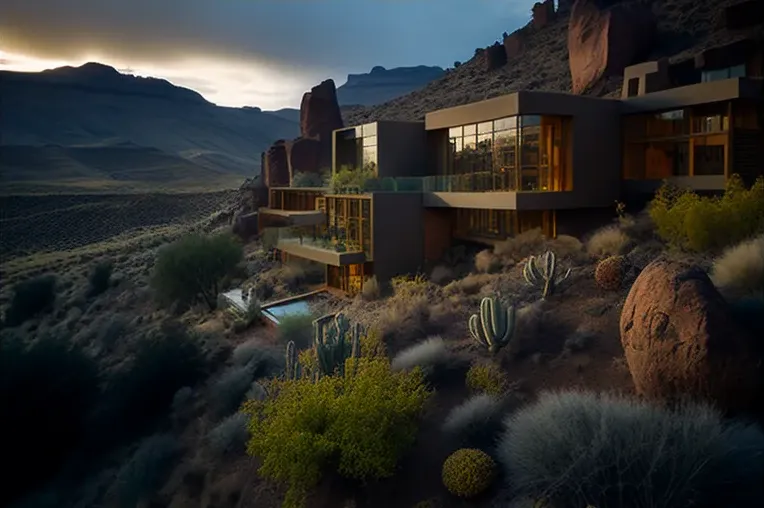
point(543, 14)
point(276, 168)
point(603, 42)
point(513, 44)
point(680, 340)
point(304, 155)
point(494, 57)
point(320, 112)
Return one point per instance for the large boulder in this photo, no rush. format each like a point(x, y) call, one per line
point(276, 168)
point(495, 57)
point(320, 112)
point(681, 340)
point(305, 156)
point(603, 40)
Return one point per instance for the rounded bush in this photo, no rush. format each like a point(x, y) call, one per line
point(610, 272)
point(468, 472)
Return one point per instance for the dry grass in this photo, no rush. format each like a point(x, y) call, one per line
point(607, 241)
point(739, 271)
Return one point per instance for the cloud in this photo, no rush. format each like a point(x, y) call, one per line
point(252, 41)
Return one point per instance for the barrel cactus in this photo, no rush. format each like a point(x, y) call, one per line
point(494, 326)
point(468, 472)
point(610, 273)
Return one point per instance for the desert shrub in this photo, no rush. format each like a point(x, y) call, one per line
point(309, 179)
point(227, 393)
point(99, 277)
point(468, 472)
point(266, 359)
point(521, 245)
point(352, 178)
point(306, 427)
point(371, 290)
point(193, 267)
point(30, 298)
point(689, 221)
point(372, 345)
point(487, 262)
point(46, 391)
point(182, 399)
point(487, 378)
point(230, 435)
point(739, 272)
point(146, 470)
point(610, 272)
point(441, 274)
point(429, 355)
point(607, 241)
point(165, 361)
point(476, 422)
point(296, 327)
point(580, 448)
point(580, 340)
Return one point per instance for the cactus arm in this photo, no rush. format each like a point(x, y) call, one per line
point(476, 330)
point(291, 360)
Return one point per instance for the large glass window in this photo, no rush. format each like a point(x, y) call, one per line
point(349, 223)
point(514, 153)
point(356, 147)
point(735, 71)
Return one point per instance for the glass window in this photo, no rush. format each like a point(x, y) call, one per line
point(737, 71)
point(455, 132)
point(370, 129)
point(485, 128)
point(530, 146)
point(470, 130)
point(369, 155)
point(484, 142)
point(359, 132)
point(370, 141)
point(529, 120)
point(458, 144)
point(347, 134)
point(470, 143)
point(503, 124)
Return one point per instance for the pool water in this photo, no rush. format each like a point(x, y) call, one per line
point(293, 308)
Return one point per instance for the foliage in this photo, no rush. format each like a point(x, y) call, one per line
point(334, 341)
point(429, 355)
point(359, 424)
point(494, 326)
point(346, 179)
point(689, 221)
point(476, 422)
point(296, 327)
point(485, 377)
point(541, 272)
point(193, 267)
point(266, 360)
point(99, 278)
point(468, 472)
point(739, 271)
point(46, 391)
point(372, 345)
point(610, 272)
point(227, 393)
point(607, 241)
point(31, 297)
point(310, 179)
point(165, 361)
point(229, 435)
point(580, 448)
point(144, 473)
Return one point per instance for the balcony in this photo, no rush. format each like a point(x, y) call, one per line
point(272, 217)
point(312, 244)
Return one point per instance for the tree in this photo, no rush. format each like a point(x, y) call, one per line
point(192, 268)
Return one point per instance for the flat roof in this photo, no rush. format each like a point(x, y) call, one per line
point(693, 95)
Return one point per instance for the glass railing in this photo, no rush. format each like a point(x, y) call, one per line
point(318, 238)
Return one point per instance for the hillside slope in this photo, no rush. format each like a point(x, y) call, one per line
point(108, 116)
point(685, 27)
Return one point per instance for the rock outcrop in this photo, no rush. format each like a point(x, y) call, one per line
point(681, 340)
point(276, 169)
point(543, 14)
point(495, 56)
point(603, 40)
point(513, 44)
point(304, 155)
point(320, 112)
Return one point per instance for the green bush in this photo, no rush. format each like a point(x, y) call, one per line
point(359, 424)
point(99, 278)
point(296, 327)
point(165, 361)
point(46, 391)
point(355, 178)
point(468, 472)
point(487, 378)
point(31, 297)
point(580, 448)
point(193, 267)
point(689, 221)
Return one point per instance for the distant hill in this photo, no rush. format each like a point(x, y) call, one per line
point(73, 124)
point(375, 87)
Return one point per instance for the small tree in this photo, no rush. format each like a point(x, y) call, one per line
point(193, 267)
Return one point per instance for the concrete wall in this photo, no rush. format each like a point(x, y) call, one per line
point(438, 225)
point(693, 95)
point(398, 234)
point(401, 149)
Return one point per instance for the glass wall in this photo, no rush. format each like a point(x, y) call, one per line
point(473, 223)
point(527, 153)
point(349, 223)
point(356, 147)
point(735, 71)
point(349, 278)
point(684, 142)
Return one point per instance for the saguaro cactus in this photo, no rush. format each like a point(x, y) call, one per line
point(541, 272)
point(335, 341)
point(292, 366)
point(494, 326)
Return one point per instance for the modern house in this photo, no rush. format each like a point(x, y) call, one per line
point(486, 171)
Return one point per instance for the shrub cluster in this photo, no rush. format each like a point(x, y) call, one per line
point(485, 377)
point(468, 472)
point(99, 277)
point(31, 297)
point(689, 221)
point(359, 423)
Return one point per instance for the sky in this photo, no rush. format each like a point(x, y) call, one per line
point(263, 53)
